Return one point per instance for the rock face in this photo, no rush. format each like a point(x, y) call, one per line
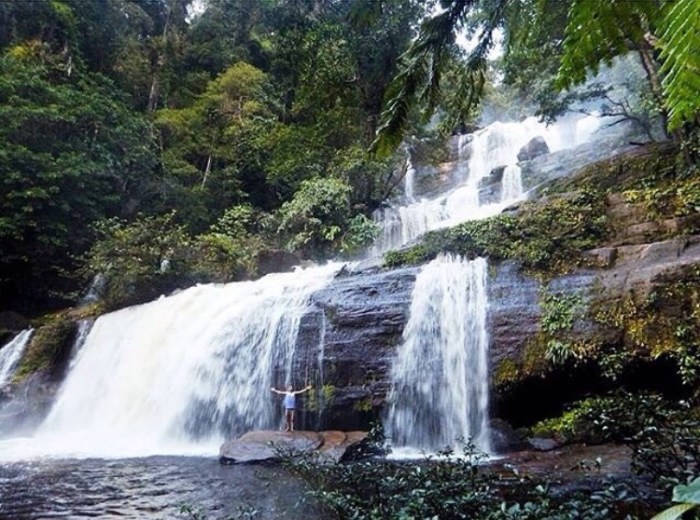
point(491, 187)
point(612, 141)
point(361, 316)
point(267, 446)
point(534, 148)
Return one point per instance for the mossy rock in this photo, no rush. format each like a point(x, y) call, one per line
point(547, 237)
point(507, 373)
point(48, 349)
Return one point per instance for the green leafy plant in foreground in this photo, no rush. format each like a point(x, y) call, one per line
point(450, 485)
point(689, 498)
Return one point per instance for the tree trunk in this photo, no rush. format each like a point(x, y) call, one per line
point(652, 71)
point(154, 94)
point(206, 172)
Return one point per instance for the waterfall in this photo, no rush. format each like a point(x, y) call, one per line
point(11, 353)
point(585, 127)
point(399, 225)
point(479, 154)
point(409, 180)
point(181, 374)
point(439, 390)
point(512, 183)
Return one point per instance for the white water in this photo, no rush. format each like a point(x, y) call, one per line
point(495, 146)
point(180, 374)
point(512, 183)
point(11, 353)
point(409, 181)
point(439, 391)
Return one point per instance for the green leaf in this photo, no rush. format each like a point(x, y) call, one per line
point(689, 494)
point(672, 513)
point(680, 52)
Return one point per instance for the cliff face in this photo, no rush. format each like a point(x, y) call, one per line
point(361, 317)
point(614, 321)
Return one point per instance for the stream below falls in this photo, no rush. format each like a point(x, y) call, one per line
point(150, 487)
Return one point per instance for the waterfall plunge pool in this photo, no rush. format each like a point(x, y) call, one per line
point(152, 487)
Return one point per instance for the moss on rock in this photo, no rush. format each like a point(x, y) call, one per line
point(507, 373)
point(48, 348)
point(666, 323)
point(547, 237)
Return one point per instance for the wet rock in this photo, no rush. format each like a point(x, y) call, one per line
point(262, 446)
point(491, 186)
point(534, 148)
point(546, 167)
point(572, 462)
point(504, 439)
point(344, 446)
point(514, 312)
point(267, 446)
point(541, 444)
point(13, 322)
point(602, 257)
point(361, 317)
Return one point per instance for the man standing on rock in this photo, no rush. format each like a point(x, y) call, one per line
point(290, 404)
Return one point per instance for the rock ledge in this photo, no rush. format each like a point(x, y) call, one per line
point(268, 446)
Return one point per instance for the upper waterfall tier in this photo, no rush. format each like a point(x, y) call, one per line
point(479, 154)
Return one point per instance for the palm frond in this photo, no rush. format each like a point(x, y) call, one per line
point(422, 68)
point(598, 31)
point(680, 51)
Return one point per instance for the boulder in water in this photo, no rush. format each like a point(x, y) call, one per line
point(269, 446)
point(504, 439)
point(534, 148)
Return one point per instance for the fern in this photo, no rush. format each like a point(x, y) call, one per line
point(596, 32)
point(423, 65)
point(679, 41)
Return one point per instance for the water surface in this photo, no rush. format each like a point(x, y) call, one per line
point(152, 487)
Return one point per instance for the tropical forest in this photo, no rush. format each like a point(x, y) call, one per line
point(350, 259)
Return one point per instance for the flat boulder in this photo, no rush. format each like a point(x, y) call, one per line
point(270, 446)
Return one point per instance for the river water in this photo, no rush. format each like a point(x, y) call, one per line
point(150, 487)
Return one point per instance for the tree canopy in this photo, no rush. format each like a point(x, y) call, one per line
point(139, 110)
point(665, 34)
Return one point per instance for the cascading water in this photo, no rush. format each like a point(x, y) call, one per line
point(439, 388)
point(512, 183)
point(11, 353)
point(495, 146)
point(180, 374)
point(409, 180)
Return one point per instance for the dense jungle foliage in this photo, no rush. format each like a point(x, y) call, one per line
point(138, 134)
point(660, 435)
point(162, 142)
